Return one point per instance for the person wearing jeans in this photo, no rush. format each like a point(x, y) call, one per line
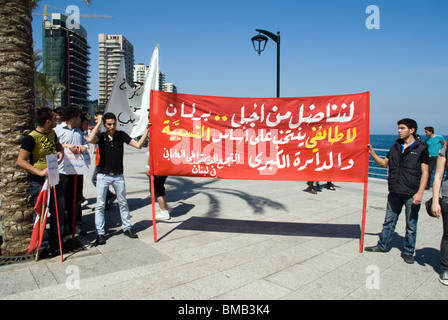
point(408, 162)
point(440, 207)
point(103, 182)
point(110, 171)
point(395, 203)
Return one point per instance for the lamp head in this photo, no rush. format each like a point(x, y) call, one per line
point(259, 41)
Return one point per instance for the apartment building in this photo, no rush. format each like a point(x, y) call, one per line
point(112, 48)
point(66, 57)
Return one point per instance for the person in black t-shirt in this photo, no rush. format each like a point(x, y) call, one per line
point(110, 171)
point(32, 157)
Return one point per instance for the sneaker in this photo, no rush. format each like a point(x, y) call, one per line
point(444, 278)
point(163, 215)
point(111, 199)
point(408, 258)
point(100, 239)
point(84, 202)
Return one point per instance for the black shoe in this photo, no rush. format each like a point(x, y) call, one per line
point(374, 249)
point(130, 234)
point(43, 254)
point(100, 239)
point(111, 199)
point(408, 258)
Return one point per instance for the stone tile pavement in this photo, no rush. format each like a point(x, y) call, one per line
point(237, 240)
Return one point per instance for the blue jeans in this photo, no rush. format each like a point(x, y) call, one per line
point(395, 203)
point(102, 186)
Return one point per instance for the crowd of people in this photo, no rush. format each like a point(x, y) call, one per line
point(66, 130)
point(410, 161)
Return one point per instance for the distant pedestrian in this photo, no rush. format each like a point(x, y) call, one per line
point(312, 190)
point(434, 143)
point(408, 162)
point(110, 171)
point(159, 194)
point(440, 207)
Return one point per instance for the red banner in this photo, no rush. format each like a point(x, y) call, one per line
point(302, 139)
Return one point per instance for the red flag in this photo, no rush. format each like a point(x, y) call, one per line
point(42, 204)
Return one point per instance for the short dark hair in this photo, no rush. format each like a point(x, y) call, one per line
point(70, 112)
point(410, 123)
point(430, 129)
point(42, 115)
point(58, 110)
point(107, 116)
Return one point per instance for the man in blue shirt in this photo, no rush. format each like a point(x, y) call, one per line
point(434, 143)
point(71, 137)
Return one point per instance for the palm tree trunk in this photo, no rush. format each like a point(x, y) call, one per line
point(16, 117)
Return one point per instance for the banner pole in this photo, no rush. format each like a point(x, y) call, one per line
point(151, 168)
point(153, 206)
point(363, 222)
point(57, 220)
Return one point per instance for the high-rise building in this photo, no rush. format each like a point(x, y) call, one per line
point(66, 56)
point(140, 71)
point(169, 87)
point(111, 49)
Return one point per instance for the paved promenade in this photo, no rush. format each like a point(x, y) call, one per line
point(237, 239)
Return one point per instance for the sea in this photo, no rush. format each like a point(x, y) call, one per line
point(381, 143)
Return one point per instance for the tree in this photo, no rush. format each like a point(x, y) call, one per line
point(47, 90)
point(54, 93)
point(16, 117)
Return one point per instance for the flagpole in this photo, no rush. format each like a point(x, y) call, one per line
point(39, 233)
point(57, 220)
point(74, 207)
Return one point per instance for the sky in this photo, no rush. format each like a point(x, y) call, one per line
point(327, 47)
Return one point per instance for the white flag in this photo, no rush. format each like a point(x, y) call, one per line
point(131, 105)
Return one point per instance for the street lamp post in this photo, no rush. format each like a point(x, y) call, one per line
point(259, 41)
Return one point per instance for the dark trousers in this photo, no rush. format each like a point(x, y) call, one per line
point(432, 165)
point(68, 186)
point(444, 244)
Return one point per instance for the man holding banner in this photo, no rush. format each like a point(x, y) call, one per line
point(408, 162)
point(74, 143)
point(110, 171)
point(32, 157)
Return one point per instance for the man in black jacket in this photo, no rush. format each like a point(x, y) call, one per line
point(408, 161)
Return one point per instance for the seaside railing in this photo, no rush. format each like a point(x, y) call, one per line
point(375, 171)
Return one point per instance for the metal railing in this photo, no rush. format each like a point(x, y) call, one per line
point(375, 170)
